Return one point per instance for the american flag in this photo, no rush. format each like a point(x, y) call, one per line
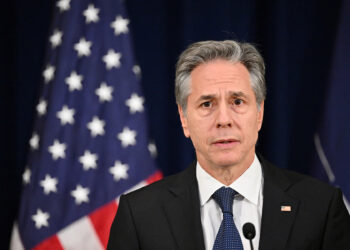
point(90, 142)
point(286, 208)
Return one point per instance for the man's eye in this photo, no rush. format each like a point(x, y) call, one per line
point(238, 102)
point(206, 104)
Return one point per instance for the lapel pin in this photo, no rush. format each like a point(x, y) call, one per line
point(286, 208)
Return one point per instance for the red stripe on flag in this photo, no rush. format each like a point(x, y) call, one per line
point(154, 177)
point(102, 219)
point(52, 243)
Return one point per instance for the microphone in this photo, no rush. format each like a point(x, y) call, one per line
point(249, 233)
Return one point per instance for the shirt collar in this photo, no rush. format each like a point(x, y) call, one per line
point(248, 184)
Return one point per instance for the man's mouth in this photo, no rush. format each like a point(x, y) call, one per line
point(225, 142)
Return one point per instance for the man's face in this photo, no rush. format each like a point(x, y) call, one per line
point(222, 117)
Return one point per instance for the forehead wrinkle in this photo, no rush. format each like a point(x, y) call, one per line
point(229, 94)
point(222, 79)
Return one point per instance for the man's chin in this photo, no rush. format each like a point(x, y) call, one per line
point(224, 163)
point(226, 157)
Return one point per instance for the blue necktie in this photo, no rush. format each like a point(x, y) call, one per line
point(228, 237)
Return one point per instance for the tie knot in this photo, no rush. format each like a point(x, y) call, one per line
point(224, 197)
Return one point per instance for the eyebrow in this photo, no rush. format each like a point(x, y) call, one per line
point(237, 94)
point(206, 97)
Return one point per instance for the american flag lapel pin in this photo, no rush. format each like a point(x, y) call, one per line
point(286, 208)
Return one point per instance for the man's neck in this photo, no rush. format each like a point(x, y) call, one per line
point(227, 174)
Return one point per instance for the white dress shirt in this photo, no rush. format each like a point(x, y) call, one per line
point(247, 205)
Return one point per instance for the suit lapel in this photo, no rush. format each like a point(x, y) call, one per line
point(279, 209)
point(182, 210)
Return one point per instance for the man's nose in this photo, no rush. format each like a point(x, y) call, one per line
point(224, 118)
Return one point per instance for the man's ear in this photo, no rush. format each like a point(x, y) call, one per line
point(260, 115)
point(183, 119)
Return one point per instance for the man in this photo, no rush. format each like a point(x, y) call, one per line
point(220, 92)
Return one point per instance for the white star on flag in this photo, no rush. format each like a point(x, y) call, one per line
point(120, 25)
point(96, 126)
point(48, 73)
point(88, 160)
point(26, 176)
point(83, 47)
point(91, 14)
point(127, 137)
point(80, 194)
point(63, 5)
point(135, 103)
point(66, 115)
point(56, 38)
point(119, 171)
point(34, 141)
point(104, 92)
point(49, 184)
point(137, 70)
point(41, 107)
point(152, 149)
point(112, 59)
point(74, 81)
point(40, 219)
point(57, 150)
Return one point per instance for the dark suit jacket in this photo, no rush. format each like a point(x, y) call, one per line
point(166, 214)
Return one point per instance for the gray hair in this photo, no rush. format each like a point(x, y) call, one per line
point(232, 51)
